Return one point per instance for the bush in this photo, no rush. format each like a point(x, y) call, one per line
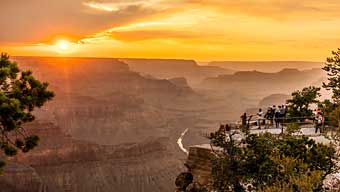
point(267, 162)
point(183, 180)
point(292, 128)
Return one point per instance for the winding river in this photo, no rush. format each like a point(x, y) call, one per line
point(179, 141)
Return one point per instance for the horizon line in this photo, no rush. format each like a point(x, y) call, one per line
point(151, 58)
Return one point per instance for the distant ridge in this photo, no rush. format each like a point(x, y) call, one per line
point(171, 68)
point(266, 66)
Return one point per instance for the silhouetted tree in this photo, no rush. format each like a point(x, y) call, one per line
point(298, 105)
point(327, 106)
point(20, 93)
point(328, 109)
point(332, 68)
point(335, 116)
point(183, 180)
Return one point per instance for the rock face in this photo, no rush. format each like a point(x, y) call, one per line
point(199, 162)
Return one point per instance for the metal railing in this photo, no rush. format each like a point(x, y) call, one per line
point(280, 122)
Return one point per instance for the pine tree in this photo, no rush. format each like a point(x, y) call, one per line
point(20, 94)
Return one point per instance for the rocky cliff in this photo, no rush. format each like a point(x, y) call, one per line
point(199, 162)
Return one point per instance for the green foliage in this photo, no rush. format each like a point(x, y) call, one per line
point(335, 116)
point(265, 160)
point(292, 128)
point(2, 165)
point(197, 188)
point(327, 106)
point(20, 94)
point(296, 177)
point(298, 105)
point(183, 180)
point(217, 138)
point(184, 183)
point(332, 68)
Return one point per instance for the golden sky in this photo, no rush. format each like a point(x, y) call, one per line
point(204, 30)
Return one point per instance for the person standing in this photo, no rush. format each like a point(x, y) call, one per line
point(277, 117)
point(273, 115)
point(318, 122)
point(260, 118)
point(269, 116)
point(282, 114)
point(315, 113)
point(244, 120)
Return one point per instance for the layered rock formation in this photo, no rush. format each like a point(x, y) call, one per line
point(199, 162)
point(108, 129)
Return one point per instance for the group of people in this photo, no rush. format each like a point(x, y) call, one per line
point(273, 114)
point(277, 114)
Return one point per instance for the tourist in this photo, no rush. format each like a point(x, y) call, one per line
point(244, 120)
point(277, 117)
point(315, 113)
point(318, 122)
point(282, 114)
point(273, 114)
point(269, 115)
point(259, 118)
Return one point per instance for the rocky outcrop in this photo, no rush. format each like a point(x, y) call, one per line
point(199, 162)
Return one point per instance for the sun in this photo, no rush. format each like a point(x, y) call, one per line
point(63, 45)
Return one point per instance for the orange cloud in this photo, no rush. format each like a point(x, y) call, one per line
point(37, 21)
point(203, 29)
point(275, 9)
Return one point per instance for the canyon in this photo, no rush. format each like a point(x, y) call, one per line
point(114, 123)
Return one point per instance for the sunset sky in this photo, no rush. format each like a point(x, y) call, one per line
point(204, 30)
